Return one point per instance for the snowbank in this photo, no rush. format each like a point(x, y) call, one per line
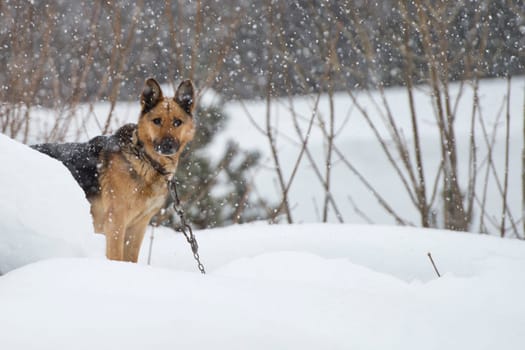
point(277, 287)
point(43, 212)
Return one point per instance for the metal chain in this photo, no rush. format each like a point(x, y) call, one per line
point(185, 227)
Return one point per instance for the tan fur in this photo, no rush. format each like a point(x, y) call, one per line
point(132, 190)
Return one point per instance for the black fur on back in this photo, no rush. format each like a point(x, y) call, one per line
point(83, 159)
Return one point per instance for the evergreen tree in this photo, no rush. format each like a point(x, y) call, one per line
point(215, 193)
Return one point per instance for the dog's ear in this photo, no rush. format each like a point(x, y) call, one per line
point(151, 95)
point(185, 96)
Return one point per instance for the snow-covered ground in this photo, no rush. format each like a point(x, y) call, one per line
point(43, 212)
point(280, 287)
point(305, 286)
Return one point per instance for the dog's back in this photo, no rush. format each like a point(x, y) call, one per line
point(85, 159)
point(82, 160)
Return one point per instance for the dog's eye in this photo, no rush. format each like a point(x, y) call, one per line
point(157, 121)
point(177, 122)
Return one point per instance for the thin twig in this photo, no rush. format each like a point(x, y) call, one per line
point(150, 249)
point(523, 169)
point(506, 170)
point(269, 134)
point(433, 264)
point(358, 211)
point(300, 156)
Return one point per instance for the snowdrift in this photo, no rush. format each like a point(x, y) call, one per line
point(277, 287)
point(43, 212)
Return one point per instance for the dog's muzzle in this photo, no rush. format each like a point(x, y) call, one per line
point(167, 146)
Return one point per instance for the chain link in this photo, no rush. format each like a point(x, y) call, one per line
point(185, 227)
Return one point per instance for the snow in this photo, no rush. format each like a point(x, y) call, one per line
point(307, 286)
point(304, 286)
point(35, 193)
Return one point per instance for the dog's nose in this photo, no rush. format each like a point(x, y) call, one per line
point(167, 146)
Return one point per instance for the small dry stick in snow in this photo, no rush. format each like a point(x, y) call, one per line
point(434, 265)
point(150, 250)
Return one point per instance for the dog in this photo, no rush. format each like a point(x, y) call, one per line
point(125, 176)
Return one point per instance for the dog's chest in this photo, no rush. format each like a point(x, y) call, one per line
point(137, 190)
point(152, 195)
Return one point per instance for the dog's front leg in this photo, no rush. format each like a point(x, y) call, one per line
point(133, 241)
point(115, 231)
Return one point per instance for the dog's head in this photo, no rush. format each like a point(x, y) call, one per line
point(166, 125)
